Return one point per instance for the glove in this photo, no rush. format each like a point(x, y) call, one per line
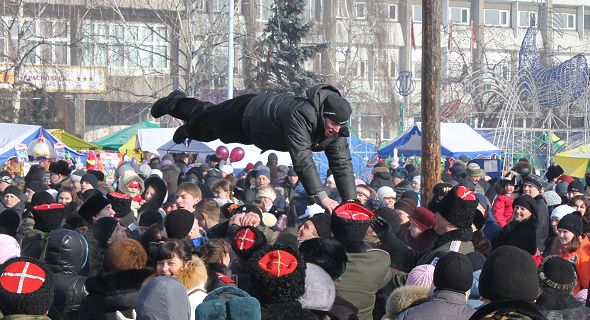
point(381, 227)
point(121, 316)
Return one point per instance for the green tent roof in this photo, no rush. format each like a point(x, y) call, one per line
point(117, 139)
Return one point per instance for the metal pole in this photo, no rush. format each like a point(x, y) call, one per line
point(230, 49)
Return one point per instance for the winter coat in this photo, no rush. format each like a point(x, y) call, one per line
point(170, 176)
point(285, 311)
point(293, 191)
point(508, 310)
point(218, 275)
point(381, 178)
point(543, 224)
point(365, 274)
point(33, 241)
point(519, 234)
point(581, 259)
point(444, 304)
point(112, 292)
point(163, 298)
point(342, 310)
point(560, 306)
point(284, 122)
point(96, 255)
point(402, 298)
point(24, 317)
point(66, 254)
point(502, 209)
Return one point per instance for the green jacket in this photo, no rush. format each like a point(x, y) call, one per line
point(24, 317)
point(365, 274)
point(33, 241)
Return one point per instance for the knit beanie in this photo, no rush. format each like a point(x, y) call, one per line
point(103, 230)
point(553, 172)
point(458, 207)
point(535, 180)
point(121, 203)
point(125, 254)
point(151, 218)
point(421, 276)
point(246, 241)
point(557, 273)
point(575, 186)
point(9, 221)
point(48, 217)
point(336, 109)
point(226, 168)
point(277, 274)
point(42, 197)
point(179, 223)
point(35, 186)
point(263, 171)
point(552, 198)
point(385, 191)
point(60, 167)
point(405, 205)
point(350, 222)
point(453, 271)
point(321, 222)
point(561, 188)
point(509, 273)
point(90, 178)
point(14, 190)
point(423, 218)
point(561, 211)
point(93, 205)
point(571, 222)
point(26, 287)
point(98, 174)
point(9, 248)
point(526, 201)
point(291, 172)
point(410, 195)
point(76, 176)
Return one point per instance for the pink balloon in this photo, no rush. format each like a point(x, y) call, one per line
point(237, 154)
point(222, 152)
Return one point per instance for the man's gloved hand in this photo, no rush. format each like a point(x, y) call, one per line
point(381, 227)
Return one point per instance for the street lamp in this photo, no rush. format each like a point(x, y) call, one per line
point(405, 85)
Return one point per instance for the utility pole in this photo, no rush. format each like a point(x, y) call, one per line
point(431, 58)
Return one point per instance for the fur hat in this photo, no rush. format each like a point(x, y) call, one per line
point(321, 222)
point(151, 218)
point(454, 272)
point(557, 273)
point(91, 179)
point(121, 203)
point(266, 192)
point(458, 207)
point(179, 223)
point(277, 274)
point(326, 253)
point(421, 276)
point(103, 230)
point(26, 287)
point(60, 167)
point(9, 248)
point(553, 172)
point(246, 241)
point(228, 303)
point(14, 190)
point(9, 221)
point(571, 222)
point(405, 205)
point(42, 197)
point(560, 212)
point(526, 201)
point(35, 185)
point(226, 168)
point(509, 273)
point(93, 206)
point(48, 217)
point(125, 254)
point(98, 174)
point(350, 221)
point(423, 218)
point(320, 291)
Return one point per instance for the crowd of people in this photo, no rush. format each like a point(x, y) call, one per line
point(173, 239)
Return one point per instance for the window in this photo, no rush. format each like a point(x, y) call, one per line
point(132, 46)
point(417, 12)
point(263, 10)
point(565, 21)
point(392, 12)
point(459, 15)
point(497, 17)
point(418, 69)
point(217, 5)
point(314, 7)
point(363, 72)
point(527, 19)
point(47, 40)
point(586, 21)
point(342, 68)
point(360, 10)
point(341, 9)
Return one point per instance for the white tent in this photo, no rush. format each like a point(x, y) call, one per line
point(150, 140)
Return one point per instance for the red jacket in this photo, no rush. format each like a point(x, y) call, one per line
point(502, 209)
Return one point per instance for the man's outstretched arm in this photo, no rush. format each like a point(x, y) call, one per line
point(340, 163)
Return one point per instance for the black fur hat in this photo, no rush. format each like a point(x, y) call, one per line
point(277, 274)
point(350, 221)
point(48, 217)
point(60, 167)
point(553, 172)
point(246, 241)
point(458, 207)
point(121, 203)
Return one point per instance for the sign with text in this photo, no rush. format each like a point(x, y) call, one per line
point(56, 79)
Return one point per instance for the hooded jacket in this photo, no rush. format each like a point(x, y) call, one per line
point(381, 178)
point(66, 254)
point(284, 122)
point(163, 298)
point(128, 177)
point(445, 304)
point(112, 292)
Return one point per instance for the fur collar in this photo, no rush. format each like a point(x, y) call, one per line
point(497, 309)
point(402, 297)
point(117, 282)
